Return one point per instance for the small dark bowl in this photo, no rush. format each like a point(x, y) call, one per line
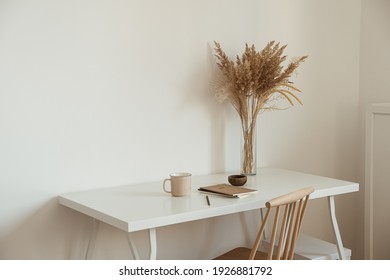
point(237, 180)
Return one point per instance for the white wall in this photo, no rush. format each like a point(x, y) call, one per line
point(374, 69)
point(375, 57)
point(105, 93)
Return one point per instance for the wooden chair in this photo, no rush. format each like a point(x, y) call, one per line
point(294, 205)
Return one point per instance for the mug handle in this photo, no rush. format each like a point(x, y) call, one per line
point(165, 190)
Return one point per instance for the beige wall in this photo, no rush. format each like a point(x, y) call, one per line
point(105, 93)
point(374, 70)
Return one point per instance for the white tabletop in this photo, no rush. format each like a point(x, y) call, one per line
point(144, 206)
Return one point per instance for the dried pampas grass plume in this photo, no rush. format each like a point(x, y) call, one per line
point(255, 81)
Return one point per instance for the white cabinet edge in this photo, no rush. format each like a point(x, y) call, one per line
point(372, 110)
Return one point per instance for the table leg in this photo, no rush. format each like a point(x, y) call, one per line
point(332, 209)
point(152, 242)
point(132, 246)
point(92, 238)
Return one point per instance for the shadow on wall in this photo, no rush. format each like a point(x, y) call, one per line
point(49, 233)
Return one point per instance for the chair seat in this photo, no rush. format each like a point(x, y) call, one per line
point(241, 253)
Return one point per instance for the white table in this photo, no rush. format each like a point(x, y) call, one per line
point(146, 206)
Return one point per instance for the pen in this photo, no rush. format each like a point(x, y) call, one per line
point(208, 200)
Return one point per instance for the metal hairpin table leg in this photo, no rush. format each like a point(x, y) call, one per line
point(332, 210)
point(92, 238)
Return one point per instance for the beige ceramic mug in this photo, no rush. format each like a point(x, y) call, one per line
point(180, 184)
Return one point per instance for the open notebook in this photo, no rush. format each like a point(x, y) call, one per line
point(227, 190)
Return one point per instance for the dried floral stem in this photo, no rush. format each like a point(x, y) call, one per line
point(251, 83)
point(248, 126)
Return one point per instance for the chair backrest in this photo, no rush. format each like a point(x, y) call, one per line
point(294, 206)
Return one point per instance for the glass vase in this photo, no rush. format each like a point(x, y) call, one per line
point(249, 147)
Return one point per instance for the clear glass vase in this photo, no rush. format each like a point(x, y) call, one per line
point(249, 147)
